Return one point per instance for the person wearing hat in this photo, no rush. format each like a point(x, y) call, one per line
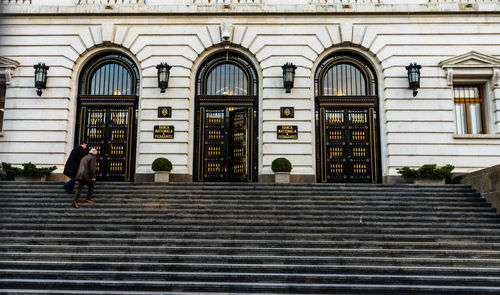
point(86, 175)
point(71, 167)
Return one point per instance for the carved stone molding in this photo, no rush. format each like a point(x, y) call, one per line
point(496, 78)
point(7, 67)
point(449, 77)
point(472, 65)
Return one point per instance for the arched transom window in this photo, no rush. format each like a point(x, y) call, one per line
point(227, 75)
point(344, 75)
point(110, 74)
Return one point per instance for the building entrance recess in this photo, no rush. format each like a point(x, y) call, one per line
point(346, 125)
point(106, 115)
point(226, 144)
point(226, 120)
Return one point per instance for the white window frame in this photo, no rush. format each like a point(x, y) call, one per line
point(7, 67)
point(479, 69)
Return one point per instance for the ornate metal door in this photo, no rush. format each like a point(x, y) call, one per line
point(239, 156)
point(347, 145)
point(225, 144)
point(212, 144)
point(109, 131)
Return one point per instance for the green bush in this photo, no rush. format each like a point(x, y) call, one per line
point(10, 171)
point(281, 165)
point(161, 164)
point(29, 169)
point(427, 171)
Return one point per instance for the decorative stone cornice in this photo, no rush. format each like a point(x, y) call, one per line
point(7, 66)
point(474, 65)
point(91, 7)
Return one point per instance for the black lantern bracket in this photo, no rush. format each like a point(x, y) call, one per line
point(414, 77)
point(40, 77)
point(288, 75)
point(163, 76)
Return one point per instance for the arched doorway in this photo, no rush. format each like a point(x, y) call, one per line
point(226, 119)
point(346, 105)
point(107, 103)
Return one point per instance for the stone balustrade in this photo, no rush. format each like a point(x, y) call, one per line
point(225, 1)
point(233, 2)
point(115, 2)
point(15, 2)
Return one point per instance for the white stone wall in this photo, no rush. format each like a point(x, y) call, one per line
point(414, 131)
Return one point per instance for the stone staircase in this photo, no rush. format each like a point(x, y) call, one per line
point(191, 238)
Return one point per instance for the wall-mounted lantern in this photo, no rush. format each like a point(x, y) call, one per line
point(40, 77)
point(288, 75)
point(414, 77)
point(163, 75)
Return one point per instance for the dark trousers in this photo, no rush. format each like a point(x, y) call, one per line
point(70, 185)
point(90, 184)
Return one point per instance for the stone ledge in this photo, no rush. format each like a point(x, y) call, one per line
point(294, 178)
point(337, 8)
point(487, 183)
point(149, 177)
point(476, 136)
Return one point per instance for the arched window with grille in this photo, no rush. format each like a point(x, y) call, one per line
point(110, 75)
point(230, 75)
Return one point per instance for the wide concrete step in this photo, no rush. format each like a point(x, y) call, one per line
point(382, 242)
point(180, 287)
point(157, 231)
point(190, 203)
point(237, 276)
point(248, 186)
point(263, 251)
point(292, 210)
point(313, 200)
point(250, 194)
point(240, 214)
point(237, 259)
point(252, 268)
point(385, 236)
point(257, 226)
point(124, 223)
point(257, 219)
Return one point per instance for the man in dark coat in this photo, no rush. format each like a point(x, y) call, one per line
point(86, 175)
point(71, 166)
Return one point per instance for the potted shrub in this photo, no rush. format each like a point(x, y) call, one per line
point(281, 168)
point(161, 167)
point(29, 172)
point(428, 174)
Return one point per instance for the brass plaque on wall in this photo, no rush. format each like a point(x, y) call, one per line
point(164, 112)
point(164, 132)
point(287, 132)
point(287, 112)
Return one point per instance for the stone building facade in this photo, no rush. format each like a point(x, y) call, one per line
point(225, 114)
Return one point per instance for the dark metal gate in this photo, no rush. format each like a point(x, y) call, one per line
point(226, 144)
point(110, 132)
point(347, 145)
